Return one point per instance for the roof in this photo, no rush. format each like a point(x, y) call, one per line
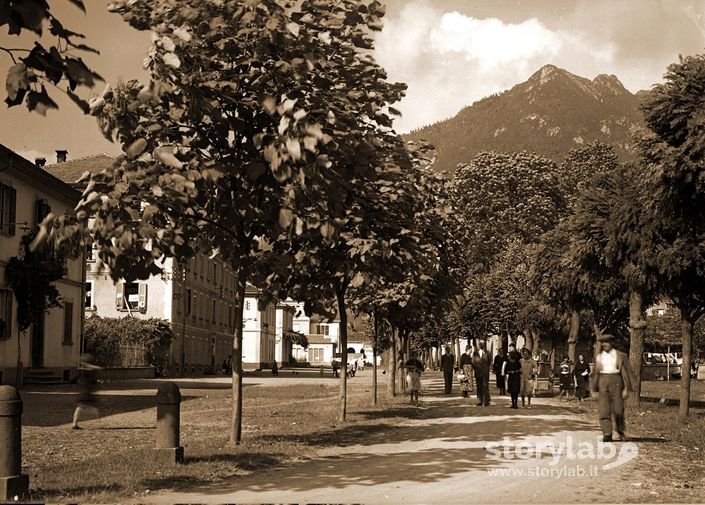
point(70, 171)
point(15, 165)
point(318, 339)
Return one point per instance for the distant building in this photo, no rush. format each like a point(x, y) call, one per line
point(50, 349)
point(196, 297)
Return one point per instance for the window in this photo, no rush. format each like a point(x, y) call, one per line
point(131, 296)
point(188, 301)
point(89, 295)
point(247, 304)
point(214, 318)
point(68, 323)
point(41, 210)
point(8, 202)
point(5, 313)
point(90, 253)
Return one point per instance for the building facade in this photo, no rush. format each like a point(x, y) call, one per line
point(197, 297)
point(50, 348)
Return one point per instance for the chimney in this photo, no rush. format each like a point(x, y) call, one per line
point(61, 155)
point(40, 162)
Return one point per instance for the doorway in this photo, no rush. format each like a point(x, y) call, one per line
point(37, 343)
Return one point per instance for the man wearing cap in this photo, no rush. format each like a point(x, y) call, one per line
point(611, 383)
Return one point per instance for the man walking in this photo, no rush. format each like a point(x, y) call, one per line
point(611, 382)
point(481, 364)
point(447, 365)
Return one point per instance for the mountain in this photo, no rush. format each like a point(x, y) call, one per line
point(551, 113)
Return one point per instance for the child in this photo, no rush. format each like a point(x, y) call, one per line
point(413, 377)
point(87, 401)
point(565, 378)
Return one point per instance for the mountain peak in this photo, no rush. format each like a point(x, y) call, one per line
point(610, 83)
point(545, 74)
point(551, 113)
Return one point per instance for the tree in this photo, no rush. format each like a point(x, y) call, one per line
point(259, 120)
point(507, 196)
point(675, 150)
point(27, 80)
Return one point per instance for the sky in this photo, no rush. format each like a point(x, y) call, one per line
point(450, 53)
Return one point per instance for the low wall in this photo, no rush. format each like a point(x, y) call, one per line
point(127, 373)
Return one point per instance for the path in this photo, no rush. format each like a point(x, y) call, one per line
point(440, 455)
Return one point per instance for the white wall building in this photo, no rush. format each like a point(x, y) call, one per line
point(50, 348)
point(196, 298)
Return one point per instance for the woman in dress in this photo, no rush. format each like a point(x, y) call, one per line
point(528, 374)
point(466, 385)
point(582, 374)
point(512, 369)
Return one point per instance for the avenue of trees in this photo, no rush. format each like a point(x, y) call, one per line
point(264, 135)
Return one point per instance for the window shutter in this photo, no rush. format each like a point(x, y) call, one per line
point(119, 295)
point(12, 216)
point(142, 304)
point(68, 322)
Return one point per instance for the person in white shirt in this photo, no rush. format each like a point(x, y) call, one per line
point(611, 383)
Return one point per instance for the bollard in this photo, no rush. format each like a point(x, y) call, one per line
point(12, 482)
point(168, 450)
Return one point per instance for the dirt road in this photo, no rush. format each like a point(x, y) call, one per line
point(451, 451)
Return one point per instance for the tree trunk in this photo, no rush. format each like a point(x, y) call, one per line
point(375, 339)
point(236, 427)
point(687, 338)
point(392, 367)
point(536, 336)
point(529, 340)
point(457, 352)
point(574, 334)
point(342, 314)
point(637, 328)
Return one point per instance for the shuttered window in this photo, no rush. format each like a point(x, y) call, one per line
point(8, 204)
point(68, 323)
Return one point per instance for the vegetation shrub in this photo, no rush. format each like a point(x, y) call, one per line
point(108, 338)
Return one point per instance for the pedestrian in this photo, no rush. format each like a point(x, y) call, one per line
point(481, 361)
point(275, 369)
point(512, 369)
point(611, 382)
point(528, 376)
point(498, 369)
point(466, 367)
point(414, 367)
point(400, 366)
point(581, 373)
point(87, 401)
point(565, 379)
point(448, 366)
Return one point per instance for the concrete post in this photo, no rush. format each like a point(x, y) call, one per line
point(168, 451)
point(12, 482)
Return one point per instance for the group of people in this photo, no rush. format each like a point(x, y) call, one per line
point(516, 373)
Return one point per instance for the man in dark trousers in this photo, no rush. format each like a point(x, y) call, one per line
point(447, 365)
point(611, 382)
point(481, 365)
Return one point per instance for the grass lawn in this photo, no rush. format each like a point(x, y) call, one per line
point(671, 389)
point(111, 457)
point(669, 466)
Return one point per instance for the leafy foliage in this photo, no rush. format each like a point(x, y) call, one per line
point(506, 196)
point(31, 276)
point(105, 336)
point(27, 80)
point(297, 338)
